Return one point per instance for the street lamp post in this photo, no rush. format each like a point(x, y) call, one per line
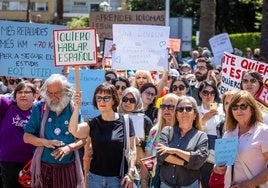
point(167, 10)
point(28, 11)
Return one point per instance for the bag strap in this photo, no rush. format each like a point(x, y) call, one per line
point(245, 168)
point(125, 138)
point(126, 118)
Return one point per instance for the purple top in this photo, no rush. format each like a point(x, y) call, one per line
point(12, 121)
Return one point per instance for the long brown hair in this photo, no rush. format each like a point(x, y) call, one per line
point(256, 116)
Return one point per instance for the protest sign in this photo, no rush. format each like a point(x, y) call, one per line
point(174, 44)
point(75, 47)
point(138, 124)
point(106, 47)
point(26, 49)
point(140, 47)
point(103, 21)
point(219, 44)
point(232, 69)
point(89, 80)
point(226, 150)
point(150, 164)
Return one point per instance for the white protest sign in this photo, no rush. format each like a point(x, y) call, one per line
point(138, 123)
point(89, 80)
point(219, 44)
point(106, 47)
point(226, 150)
point(140, 47)
point(26, 49)
point(75, 47)
point(232, 69)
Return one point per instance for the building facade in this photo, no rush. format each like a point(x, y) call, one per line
point(45, 11)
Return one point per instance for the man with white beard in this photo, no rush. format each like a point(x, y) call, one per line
point(56, 161)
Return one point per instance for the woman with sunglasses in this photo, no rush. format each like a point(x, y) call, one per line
point(182, 148)
point(211, 117)
point(166, 117)
point(121, 83)
point(148, 95)
point(179, 86)
point(131, 103)
point(244, 120)
point(108, 167)
point(252, 82)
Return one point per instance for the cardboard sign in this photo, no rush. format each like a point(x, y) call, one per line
point(174, 44)
point(140, 47)
point(26, 49)
point(75, 47)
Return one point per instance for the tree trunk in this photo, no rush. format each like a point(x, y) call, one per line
point(207, 21)
point(264, 31)
point(59, 12)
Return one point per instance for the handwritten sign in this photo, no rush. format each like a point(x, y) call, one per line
point(262, 95)
point(106, 47)
point(140, 47)
point(26, 49)
point(138, 123)
point(89, 80)
point(219, 44)
point(103, 21)
point(75, 47)
point(226, 150)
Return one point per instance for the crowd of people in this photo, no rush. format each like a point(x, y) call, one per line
point(181, 114)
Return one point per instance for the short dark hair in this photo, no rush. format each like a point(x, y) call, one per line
point(106, 88)
point(122, 79)
point(207, 61)
point(22, 85)
point(209, 83)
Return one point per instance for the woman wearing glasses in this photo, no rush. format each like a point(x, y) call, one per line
point(166, 117)
point(180, 86)
point(211, 117)
point(106, 132)
point(183, 148)
point(14, 114)
point(121, 83)
point(252, 82)
point(244, 120)
point(131, 103)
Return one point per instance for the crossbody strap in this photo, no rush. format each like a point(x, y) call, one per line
point(245, 168)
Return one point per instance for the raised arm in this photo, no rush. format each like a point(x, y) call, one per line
point(79, 130)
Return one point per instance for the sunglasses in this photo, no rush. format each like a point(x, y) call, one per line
point(180, 87)
point(207, 93)
point(148, 94)
point(131, 100)
point(105, 98)
point(186, 108)
point(13, 81)
point(167, 106)
point(122, 87)
point(108, 79)
point(253, 80)
point(241, 106)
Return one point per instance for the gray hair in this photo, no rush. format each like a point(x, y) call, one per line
point(57, 78)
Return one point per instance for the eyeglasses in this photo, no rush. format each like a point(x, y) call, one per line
point(57, 93)
point(180, 87)
point(207, 93)
point(241, 106)
point(24, 92)
point(13, 81)
point(253, 80)
point(105, 98)
point(122, 87)
point(187, 108)
point(148, 94)
point(131, 100)
point(108, 79)
point(167, 106)
point(200, 68)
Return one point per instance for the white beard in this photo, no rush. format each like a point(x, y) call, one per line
point(64, 101)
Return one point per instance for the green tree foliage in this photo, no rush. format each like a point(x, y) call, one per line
point(82, 22)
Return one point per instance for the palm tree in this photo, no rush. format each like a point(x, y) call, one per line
point(59, 19)
point(207, 21)
point(264, 31)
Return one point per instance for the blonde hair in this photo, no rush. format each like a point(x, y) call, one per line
point(256, 116)
point(143, 73)
point(226, 94)
point(161, 121)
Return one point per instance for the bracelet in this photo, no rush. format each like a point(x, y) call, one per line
point(70, 147)
point(130, 177)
